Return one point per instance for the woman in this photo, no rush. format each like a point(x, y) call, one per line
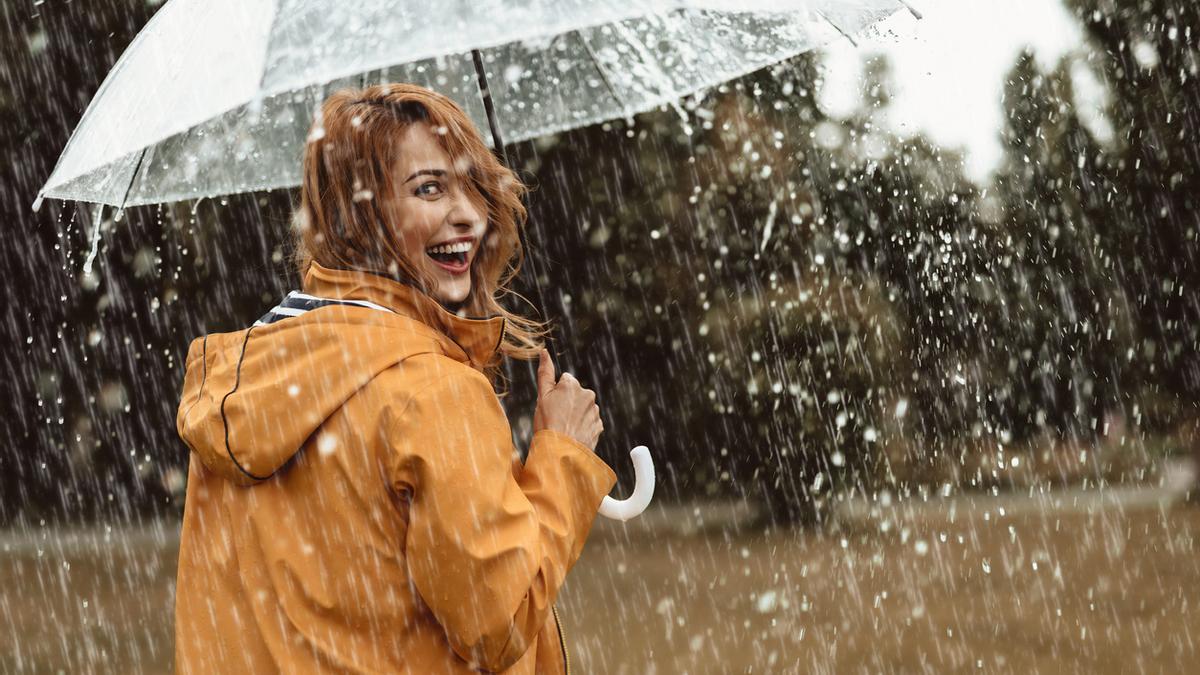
point(354, 501)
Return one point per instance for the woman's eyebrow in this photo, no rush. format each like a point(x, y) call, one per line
point(426, 172)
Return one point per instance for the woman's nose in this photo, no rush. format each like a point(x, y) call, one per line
point(466, 213)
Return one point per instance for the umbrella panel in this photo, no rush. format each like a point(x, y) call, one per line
point(260, 147)
point(541, 85)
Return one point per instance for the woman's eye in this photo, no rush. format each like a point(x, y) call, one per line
point(431, 188)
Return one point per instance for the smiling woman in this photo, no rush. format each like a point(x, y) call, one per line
point(353, 502)
point(438, 216)
point(395, 172)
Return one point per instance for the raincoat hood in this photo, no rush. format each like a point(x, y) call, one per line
point(252, 398)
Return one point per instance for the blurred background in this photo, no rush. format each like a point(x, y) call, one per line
point(910, 325)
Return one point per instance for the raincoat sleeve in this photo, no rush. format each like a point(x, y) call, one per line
point(488, 547)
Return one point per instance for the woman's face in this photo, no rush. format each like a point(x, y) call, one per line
point(439, 219)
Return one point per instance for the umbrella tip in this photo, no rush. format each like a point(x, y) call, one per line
point(37, 203)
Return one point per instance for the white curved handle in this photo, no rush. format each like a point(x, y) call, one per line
point(643, 488)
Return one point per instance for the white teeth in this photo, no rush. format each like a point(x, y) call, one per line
point(460, 247)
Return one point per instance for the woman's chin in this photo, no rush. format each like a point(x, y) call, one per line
point(453, 295)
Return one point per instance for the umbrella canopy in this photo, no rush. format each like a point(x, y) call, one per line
point(216, 97)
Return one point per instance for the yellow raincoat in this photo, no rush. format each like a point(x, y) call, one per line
point(355, 503)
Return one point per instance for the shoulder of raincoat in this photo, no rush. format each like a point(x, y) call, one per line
point(355, 499)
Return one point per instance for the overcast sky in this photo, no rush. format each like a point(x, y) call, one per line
point(948, 68)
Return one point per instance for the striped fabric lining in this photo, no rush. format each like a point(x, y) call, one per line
point(297, 303)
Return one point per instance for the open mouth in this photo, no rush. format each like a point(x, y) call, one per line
point(451, 257)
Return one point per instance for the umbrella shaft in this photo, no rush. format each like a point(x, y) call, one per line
point(488, 107)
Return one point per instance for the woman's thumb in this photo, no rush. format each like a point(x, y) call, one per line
point(545, 373)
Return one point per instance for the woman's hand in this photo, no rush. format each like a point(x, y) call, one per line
point(565, 406)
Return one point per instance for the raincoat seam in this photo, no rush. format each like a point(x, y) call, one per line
point(469, 372)
point(399, 414)
point(396, 420)
point(508, 641)
point(203, 378)
point(408, 402)
point(237, 381)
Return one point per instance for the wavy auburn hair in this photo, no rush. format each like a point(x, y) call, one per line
point(349, 159)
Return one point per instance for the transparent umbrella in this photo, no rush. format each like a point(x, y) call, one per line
point(216, 97)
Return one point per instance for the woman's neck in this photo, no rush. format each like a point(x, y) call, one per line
point(452, 307)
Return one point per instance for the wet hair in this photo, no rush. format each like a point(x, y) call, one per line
point(352, 150)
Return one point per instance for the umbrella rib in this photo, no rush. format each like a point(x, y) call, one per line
point(600, 68)
point(837, 27)
point(262, 78)
point(132, 177)
point(917, 14)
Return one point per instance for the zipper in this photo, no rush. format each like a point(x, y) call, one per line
point(562, 640)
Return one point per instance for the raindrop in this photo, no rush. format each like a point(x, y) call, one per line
point(327, 443)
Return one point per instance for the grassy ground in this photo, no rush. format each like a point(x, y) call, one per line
point(1101, 591)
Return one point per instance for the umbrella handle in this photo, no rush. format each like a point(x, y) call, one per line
point(643, 489)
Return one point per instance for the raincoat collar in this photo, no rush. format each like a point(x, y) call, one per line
point(477, 339)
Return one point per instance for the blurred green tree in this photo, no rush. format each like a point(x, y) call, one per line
point(1146, 54)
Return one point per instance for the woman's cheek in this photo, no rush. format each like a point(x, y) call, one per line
point(428, 218)
point(413, 243)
